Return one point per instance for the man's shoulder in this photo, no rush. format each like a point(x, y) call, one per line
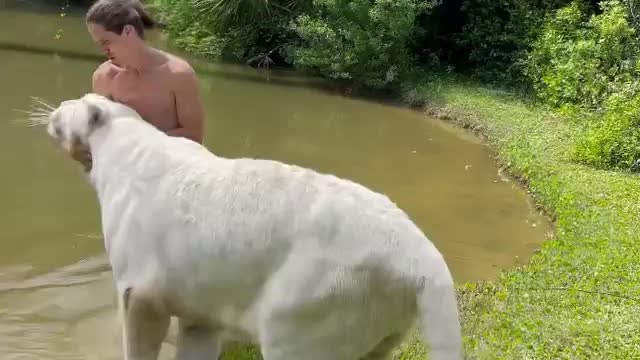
point(105, 71)
point(179, 66)
point(180, 73)
point(102, 76)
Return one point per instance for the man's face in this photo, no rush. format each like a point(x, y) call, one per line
point(114, 46)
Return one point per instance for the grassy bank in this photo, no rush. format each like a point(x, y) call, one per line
point(579, 296)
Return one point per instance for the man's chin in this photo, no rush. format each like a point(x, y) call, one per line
point(114, 61)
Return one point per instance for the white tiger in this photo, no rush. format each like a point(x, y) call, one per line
point(306, 265)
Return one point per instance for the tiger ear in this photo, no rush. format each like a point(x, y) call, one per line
point(96, 117)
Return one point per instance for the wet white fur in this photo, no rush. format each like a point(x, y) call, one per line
point(306, 265)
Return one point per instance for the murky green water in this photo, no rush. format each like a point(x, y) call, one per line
point(56, 298)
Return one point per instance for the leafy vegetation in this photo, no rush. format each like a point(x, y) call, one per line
point(588, 66)
point(360, 40)
point(234, 30)
point(485, 38)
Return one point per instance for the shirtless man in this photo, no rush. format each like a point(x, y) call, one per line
point(161, 87)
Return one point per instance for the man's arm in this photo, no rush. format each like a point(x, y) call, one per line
point(188, 105)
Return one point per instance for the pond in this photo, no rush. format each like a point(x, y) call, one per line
point(56, 299)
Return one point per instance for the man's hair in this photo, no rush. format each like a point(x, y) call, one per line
point(113, 15)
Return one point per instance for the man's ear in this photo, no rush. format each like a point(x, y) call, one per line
point(127, 30)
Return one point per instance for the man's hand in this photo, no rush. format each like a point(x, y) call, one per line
point(82, 154)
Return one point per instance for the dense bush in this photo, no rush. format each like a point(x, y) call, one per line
point(582, 60)
point(188, 28)
point(365, 42)
point(590, 64)
point(361, 40)
point(235, 30)
point(612, 140)
point(496, 32)
point(483, 38)
point(372, 42)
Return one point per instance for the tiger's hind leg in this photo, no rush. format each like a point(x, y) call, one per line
point(144, 326)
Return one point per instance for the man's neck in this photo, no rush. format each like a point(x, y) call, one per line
point(142, 60)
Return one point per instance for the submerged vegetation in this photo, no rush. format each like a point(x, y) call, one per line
point(553, 85)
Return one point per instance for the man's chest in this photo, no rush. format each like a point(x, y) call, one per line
point(138, 91)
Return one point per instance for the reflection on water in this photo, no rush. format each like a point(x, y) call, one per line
point(56, 295)
point(68, 313)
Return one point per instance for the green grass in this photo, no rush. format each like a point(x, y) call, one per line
point(579, 295)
